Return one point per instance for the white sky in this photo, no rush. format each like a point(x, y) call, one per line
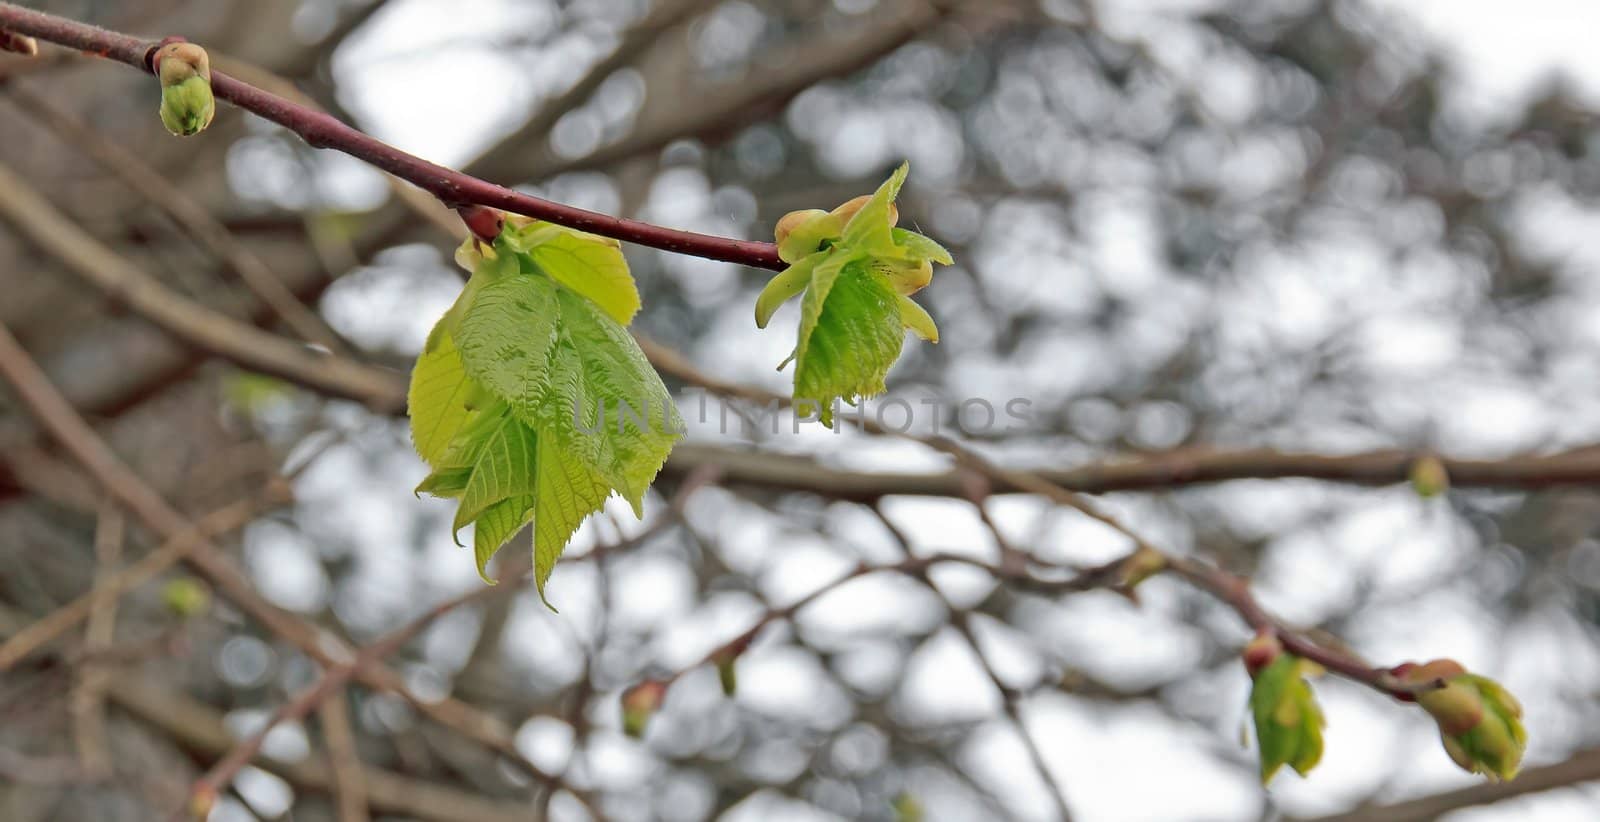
point(1503, 50)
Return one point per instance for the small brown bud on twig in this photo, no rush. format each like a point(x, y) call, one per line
point(1261, 652)
point(639, 703)
point(19, 44)
point(484, 223)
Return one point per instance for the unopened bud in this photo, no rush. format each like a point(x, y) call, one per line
point(639, 704)
point(19, 44)
point(907, 808)
point(727, 675)
point(186, 597)
point(1261, 652)
point(187, 105)
point(788, 223)
point(849, 207)
point(1480, 722)
point(1429, 477)
point(803, 233)
point(484, 223)
point(201, 802)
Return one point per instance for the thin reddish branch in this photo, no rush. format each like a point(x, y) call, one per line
point(452, 187)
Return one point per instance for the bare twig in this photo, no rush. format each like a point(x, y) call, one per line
point(1232, 590)
point(222, 772)
point(200, 728)
point(420, 203)
point(206, 230)
point(88, 700)
point(228, 518)
point(1583, 766)
point(185, 319)
point(56, 415)
point(322, 131)
point(1009, 699)
point(349, 787)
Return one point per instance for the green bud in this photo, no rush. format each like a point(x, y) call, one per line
point(907, 808)
point(1288, 720)
point(847, 210)
point(1480, 722)
point(186, 597)
point(1429, 477)
point(187, 104)
point(727, 675)
point(639, 704)
point(1146, 563)
point(802, 233)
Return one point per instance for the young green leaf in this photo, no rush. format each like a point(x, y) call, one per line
point(850, 333)
point(1288, 721)
point(609, 403)
point(590, 265)
point(1480, 722)
point(531, 402)
point(502, 468)
point(438, 397)
point(506, 337)
point(855, 270)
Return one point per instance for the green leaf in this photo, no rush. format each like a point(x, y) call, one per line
point(502, 469)
point(438, 397)
point(918, 247)
point(506, 337)
point(855, 278)
point(1288, 720)
point(589, 265)
point(603, 379)
point(532, 403)
point(446, 482)
point(850, 333)
point(566, 491)
point(870, 227)
point(916, 318)
point(785, 287)
point(495, 526)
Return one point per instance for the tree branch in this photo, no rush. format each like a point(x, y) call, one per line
point(199, 727)
point(191, 322)
point(1148, 472)
point(231, 517)
point(1583, 766)
point(451, 187)
point(56, 415)
point(197, 222)
point(349, 784)
point(223, 770)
